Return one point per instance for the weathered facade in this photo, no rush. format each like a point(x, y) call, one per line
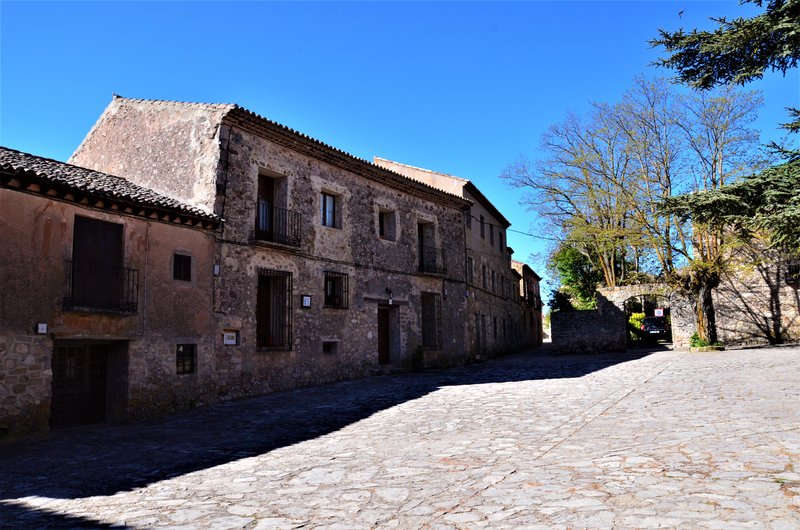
point(330, 267)
point(498, 310)
point(529, 293)
point(757, 301)
point(91, 313)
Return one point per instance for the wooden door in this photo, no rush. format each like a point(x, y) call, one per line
point(384, 336)
point(79, 384)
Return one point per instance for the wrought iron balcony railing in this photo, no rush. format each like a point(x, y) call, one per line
point(277, 225)
point(431, 260)
point(92, 286)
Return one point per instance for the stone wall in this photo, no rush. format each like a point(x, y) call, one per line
point(754, 304)
point(372, 265)
point(605, 329)
point(599, 330)
point(169, 147)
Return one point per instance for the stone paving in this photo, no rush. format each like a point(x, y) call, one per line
point(663, 439)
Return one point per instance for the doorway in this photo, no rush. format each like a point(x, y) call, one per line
point(89, 383)
point(388, 334)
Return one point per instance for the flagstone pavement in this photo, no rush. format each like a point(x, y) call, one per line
point(629, 440)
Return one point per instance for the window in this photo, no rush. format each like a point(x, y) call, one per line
point(328, 210)
point(483, 228)
point(274, 310)
point(386, 225)
point(185, 358)
point(182, 267)
point(470, 266)
point(494, 327)
point(431, 314)
point(336, 295)
point(483, 274)
point(500, 239)
point(493, 281)
point(95, 276)
point(273, 221)
point(330, 346)
point(468, 219)
point(491, 234)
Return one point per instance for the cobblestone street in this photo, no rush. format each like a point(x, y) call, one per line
point(663, 439)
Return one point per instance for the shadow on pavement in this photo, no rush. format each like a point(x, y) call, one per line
point(106, 459)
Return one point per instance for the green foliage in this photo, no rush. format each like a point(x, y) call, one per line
point(737, 51)
point(579, 278)
point(768, 202)
point(635, 321)
point(696, 342)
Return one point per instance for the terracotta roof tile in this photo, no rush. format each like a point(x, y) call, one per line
point(94, 183)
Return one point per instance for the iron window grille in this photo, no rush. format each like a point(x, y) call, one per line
point(277, 225)
point(336, 290)
point(185, 358)
point(431, 260)
point(182, 267)
point(431, 314)
point(274, 310)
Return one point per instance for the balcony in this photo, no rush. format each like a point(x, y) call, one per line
point(93, 286)
point(431, 260)
point(277, 225)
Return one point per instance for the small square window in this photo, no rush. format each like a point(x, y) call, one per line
point(328, 210)
point(336, 295)
point(330, 346)
point(182, 267)
point(185, 357)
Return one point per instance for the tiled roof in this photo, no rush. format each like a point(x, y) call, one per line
point(296, 140)
point(94, 184)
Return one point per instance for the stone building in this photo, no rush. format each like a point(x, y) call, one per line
point(531, 298)
point(105, 304)
point(496, 317)
point(330, 267)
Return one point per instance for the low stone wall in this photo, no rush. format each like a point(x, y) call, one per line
point(594, 331)
point(755, 305)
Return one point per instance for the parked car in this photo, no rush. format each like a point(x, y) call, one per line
point(656, 328)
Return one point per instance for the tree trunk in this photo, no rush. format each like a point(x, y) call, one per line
point(705, 315)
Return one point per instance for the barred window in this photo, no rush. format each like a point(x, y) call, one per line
point(274, 310)
point(431, 314)
point(336, 290)
point(185, 356)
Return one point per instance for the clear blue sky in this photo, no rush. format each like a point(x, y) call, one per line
point(461, 88)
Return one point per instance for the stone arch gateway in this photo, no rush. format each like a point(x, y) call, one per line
point(603, 329)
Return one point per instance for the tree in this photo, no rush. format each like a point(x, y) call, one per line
point(602, 176)
point(767, 202)
point(739, 50)
point(578, 277)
